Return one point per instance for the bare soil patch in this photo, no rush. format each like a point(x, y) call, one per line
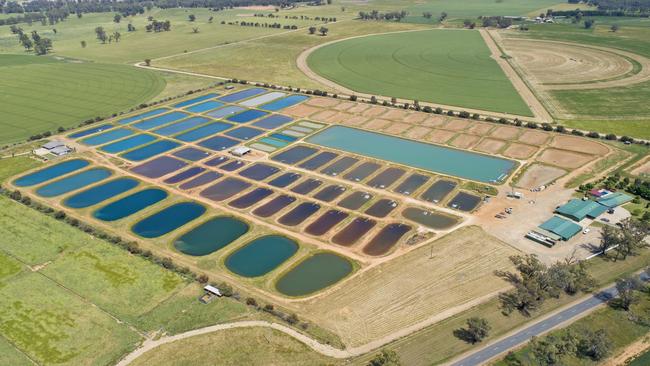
point(415, 118)
point(374, 111)
point(520, 151)
point(440, 136)
point(358, 108)
point(396, 114)
point(377, 124)
point(534, 138)
point(579, 144)
point(490, 146)
point(457, 124)
point(324, 115)
point(434, 121)
point(539, 174)
point(417, 132)
point(356, 121)
point(397, 128)
point(401, 292)
point(301, 110)
point(481, 129)
point(344, 106)
point(322, 102)
point(340, 117)
point(465, 141)
point(505, 132)
point(564, 159)
point(643, 168)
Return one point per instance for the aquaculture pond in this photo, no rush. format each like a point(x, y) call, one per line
point(355, 230)
point(127, 144)
point(237, 96)
point(167, 220)
point(247, 116)
point(158, 167)
point(382, 208)
point(225, 111)
point(150, 150)
point(50, 172)
point(140, 116)
point(251, 198)
point(411, 184)
point(434, 158)
point(211, 236)
point(313, 274)
point(339, 166)
point(205, 106)
point(464, 201)
point(431, 219)
point(130, 204)
point(259, 171)
point(90, 131)
point(438, 191)
point(362, 171)
point(261, 255)
point(178, 127)
point(203, 131)
point(355, 200)
point(294, 154)
point(319, 160)
point(218, 143)
point(100, 193)
point(284, 102)
point(225, 189)
point(273, 206)
point(202, 179)
point(299, 214)
point(107, 137)
point(195, 100)
point(264, 98)
point(192, 154)
point(386, 239)
point(284, 180)
point(307, 186)
point(73, 182)
point(185, 174)
point(330, 193)
point(160, 120)
point(326, 222)
point(272, 122)
point(244, 133)
point(386, 178)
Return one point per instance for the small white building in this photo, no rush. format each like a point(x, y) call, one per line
point(212, 290)
point(240, 151)
point(53, 145)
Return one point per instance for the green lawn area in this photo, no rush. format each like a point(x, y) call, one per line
point(54, 326)
point(616, 323)
point(9, 355)
point(246, 346)
point(450, 67)
point(634, 128)
point(41, 93)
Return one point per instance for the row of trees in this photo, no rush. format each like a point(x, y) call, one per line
point(625, 240)
point(262, 25)
point(635, 6)
point(32, 41)
point(322, 30)
point(389, 16)
point(104, 37)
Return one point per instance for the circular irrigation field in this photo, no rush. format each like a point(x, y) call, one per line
point(451, 67)
point(42, 93)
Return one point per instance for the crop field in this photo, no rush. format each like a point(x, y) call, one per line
point(42, 94)
point(442, 66)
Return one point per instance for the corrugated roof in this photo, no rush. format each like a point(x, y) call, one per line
point(615, 199)
point(578, 209)
point(52, 144)
point(562, 227)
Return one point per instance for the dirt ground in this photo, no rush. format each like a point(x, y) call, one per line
point(401, 292)
point(481, 129)
point(534, 138)
point(376, 124)
point(417, 132)
point(344, 106)
point(322, 102)
point(505, 132)
point(564, 159)
point(434, 121)
point(457, 124)
point(580, 145)
point(440, 136)
point(301, 110)
point(324, 115)
point(490, 146)
point(356, 121)
point(643, 168)
point(415, 118)
point(396, 128)
point(464, 141)
point(374, 111)
point(539, 174)
point(519, 151)
point(396, 114)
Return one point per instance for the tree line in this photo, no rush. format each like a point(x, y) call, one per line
point(388, 16)
point(32, 41)
point(626, 6)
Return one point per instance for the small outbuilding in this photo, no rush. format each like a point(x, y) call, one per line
point(564, 228)
point(240, 151)
point(53, 145)
point(210, 294)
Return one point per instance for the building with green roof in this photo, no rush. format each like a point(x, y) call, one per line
point(614, 199)
point(578, 209)
point(564, 228)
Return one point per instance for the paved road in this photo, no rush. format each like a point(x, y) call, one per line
point(482, 356)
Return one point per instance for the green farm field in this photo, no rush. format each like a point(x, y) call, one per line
point(42, 93)
point(451, 67)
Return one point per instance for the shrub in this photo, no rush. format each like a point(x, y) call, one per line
point(226, 289)
point(353, 98)
point(593, 135)
point(451, 113)
point(438, 110)
point(463, 114)
point(610, 136)
point(503, 121)
point(203, 278)
point(251, 301)
point(292, 319)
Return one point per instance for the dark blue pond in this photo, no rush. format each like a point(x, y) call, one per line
point(284, 102)
point(107, 136)
point(247, 116)
point(259, 171)
point(90, 131)
point(140, 116)
point(185, 174)
point(192, 154)
point(127, 144)
point(261, 256)
point(148, 151)
point(218, 143)
point(51, 172)
point(273, 121)
point(195, 100)
point(178, 127)
point(284, 180)
point(167, 220)
point(205, 106)
point(234, 97)
point(73, 182)
point(158, 167)
point(204, 131)
point(225, 111)
point(244, 133)
point(211, 236)
point(130, 204)
point(202, 179)
point(100, 193)
point(160, 120)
